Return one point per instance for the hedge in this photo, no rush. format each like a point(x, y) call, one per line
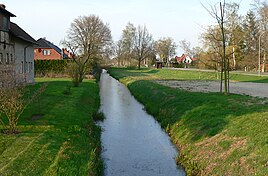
point(45, 66)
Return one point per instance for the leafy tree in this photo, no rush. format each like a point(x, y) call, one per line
point(251, 35)
point(165, 48)
point(262, 11)
point(234, 35)
point(89, 39)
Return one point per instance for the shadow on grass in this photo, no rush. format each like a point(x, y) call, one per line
point(119, 73)
point(154, 71)
point(204, 114)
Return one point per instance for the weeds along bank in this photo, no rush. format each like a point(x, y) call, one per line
point(58, 135)
point(216, 134)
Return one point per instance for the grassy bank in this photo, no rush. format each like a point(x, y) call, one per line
point(216, 134)
point(61, 139)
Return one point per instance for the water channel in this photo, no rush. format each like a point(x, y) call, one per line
point(133, 142)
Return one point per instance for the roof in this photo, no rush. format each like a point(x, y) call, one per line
point(43, 43)
point(20, 33)
point(4, 11)
point(180, 59)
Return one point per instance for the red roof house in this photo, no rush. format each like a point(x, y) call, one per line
point(186, 59)
point(46, 50)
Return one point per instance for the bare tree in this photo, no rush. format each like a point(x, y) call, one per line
point(118, 51)
point(165, 48)
point(88, 39)
point(13, 99)
point(143, 44)
point(220, 16)
point(185, 46)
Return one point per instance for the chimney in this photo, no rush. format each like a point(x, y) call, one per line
point(2, 6)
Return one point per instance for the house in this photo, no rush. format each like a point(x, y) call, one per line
point(185, 59)
point(46, 50)
point(16, 48)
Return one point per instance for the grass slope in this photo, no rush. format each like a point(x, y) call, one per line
point(65, 141)
point(216, 134)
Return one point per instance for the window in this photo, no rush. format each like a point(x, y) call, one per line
point(22, 67)
point(31, 66)
point(7, 59)
point(26, 67)
point(11, 59)
point(46, 52)
point(1, 58)
point(5, 23)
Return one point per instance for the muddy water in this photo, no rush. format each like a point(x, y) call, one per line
point(133, 142)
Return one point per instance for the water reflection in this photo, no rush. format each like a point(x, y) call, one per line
point(133, 142)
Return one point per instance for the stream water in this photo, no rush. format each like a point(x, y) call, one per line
point(133, 142)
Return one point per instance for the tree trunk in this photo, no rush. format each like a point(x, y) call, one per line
point(225, 60)
point(234, 58)
point(139, 63)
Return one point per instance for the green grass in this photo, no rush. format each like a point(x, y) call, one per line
point(65, 141)
point(216, 134)
point(171, 74)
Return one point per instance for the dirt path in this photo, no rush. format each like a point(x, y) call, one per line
point(246, 88)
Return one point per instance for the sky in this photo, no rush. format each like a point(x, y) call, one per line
point(178, 19)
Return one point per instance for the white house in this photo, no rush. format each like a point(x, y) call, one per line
point(16, 48)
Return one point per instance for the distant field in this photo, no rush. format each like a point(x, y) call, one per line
point(64, 141)
point(216, 134)
point(182, 75)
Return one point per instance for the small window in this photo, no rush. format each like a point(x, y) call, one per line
point(5, 23)
point(26, 67)
point(22, 67)
point(31, 66)
point(7, 59)
point(46, 52)
point(11, 59)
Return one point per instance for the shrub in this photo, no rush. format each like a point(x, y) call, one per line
point(48, 67)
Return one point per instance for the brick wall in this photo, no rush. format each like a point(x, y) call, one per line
point(46, 54)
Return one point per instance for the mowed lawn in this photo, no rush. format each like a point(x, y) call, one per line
point(216, 134)
point(173, 74)
point(64, 141)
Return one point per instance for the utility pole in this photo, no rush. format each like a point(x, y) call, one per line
point(259, 64)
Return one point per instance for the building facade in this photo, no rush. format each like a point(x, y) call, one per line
point(16, 49)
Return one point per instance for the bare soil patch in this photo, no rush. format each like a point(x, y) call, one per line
point(244, 88)
point(36, 116)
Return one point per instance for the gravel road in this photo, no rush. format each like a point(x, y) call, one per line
point(246, 88)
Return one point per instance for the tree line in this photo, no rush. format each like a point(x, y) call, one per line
point(245, 39)
point(243, 42)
